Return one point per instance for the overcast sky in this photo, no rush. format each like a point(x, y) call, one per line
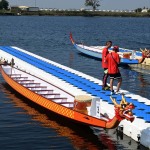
point(77, 4)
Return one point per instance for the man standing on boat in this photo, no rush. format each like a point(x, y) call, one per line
point(113, 60)
point(105, 52)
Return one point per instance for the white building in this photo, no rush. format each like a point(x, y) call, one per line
point(144, 10)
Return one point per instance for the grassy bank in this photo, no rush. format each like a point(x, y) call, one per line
point(79, 13)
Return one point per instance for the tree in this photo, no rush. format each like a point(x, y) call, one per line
point(4, 4)
point(93, 3)
point(138, 10)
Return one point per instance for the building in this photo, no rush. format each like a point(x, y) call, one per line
point(145, 10)
point(24, 8)
point(33, 9)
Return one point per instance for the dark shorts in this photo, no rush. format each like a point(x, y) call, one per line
point(115, 76)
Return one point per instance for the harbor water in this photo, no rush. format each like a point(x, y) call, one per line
point(24, 125)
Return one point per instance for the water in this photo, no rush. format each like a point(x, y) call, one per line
point(24, 125)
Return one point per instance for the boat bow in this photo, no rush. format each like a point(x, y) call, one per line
point(127, 56)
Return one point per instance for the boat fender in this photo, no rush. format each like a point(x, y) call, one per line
point(138, 137)
point(119, 131)
point(12, 62)
point(120, 128)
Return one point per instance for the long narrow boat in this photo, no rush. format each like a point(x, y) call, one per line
point(127, 56)
point(78, 85)
point(81, 108)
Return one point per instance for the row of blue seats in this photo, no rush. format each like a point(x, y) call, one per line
point(82, 80)
point(70, 77)
point(41, 64)
point(74, 79)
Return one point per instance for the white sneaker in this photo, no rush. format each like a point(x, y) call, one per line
point(112, 92)
point(118, 92)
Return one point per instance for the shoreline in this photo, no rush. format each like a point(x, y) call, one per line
point(75, 13)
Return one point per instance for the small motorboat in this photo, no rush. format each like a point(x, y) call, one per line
point(81, 108)
point(128, 57)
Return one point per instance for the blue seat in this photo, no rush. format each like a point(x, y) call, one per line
point(147, 117)
point(138, 113)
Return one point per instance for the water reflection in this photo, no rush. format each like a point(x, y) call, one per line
point(71, 59)
point(82, 137)
point(136, 80)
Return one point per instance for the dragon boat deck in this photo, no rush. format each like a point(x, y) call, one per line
point(76, 83)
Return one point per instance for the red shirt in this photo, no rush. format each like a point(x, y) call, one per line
point(105, 52)
point(113, 60)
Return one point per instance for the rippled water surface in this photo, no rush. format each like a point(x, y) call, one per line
point(24, 125)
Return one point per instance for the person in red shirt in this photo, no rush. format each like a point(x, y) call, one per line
point(105, 52)
point(113, 61)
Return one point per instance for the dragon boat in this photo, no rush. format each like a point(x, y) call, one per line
point(81, 108)
point(74, 95)
point(128, 57)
